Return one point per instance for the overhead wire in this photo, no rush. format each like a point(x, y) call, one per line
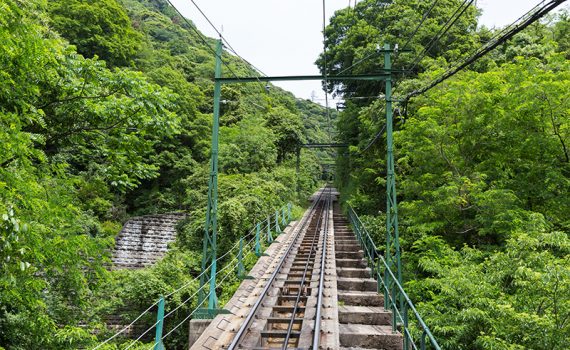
point(533, 15)
point(416, 30)
point(443, 30)
point(375, 53)
point(325, 72)
point(203, 39)
point(373, 141)
point(228, 45)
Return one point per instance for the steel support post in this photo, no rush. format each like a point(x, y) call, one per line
point(277, 228)
point(268, 233)
point(283, 220)
point(257, 243)
point(211, 226)
point(240, 268)
point(297, 172)
point(392, 254)
point(158, 345)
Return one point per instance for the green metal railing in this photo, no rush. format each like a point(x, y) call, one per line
point(395, 298)
point(258, 237)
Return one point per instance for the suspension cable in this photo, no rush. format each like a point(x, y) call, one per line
point(527, 19)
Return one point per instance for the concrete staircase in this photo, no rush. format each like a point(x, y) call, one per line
point(144, 239)
point(364, 324)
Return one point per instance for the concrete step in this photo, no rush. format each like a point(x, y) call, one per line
point(371, 315)
point(355, 254)
point(360, 298)
point(356, 284)
point(345, 240)
point(353, 263)
point(351, 272)
point(370, 337)
point(350, 246)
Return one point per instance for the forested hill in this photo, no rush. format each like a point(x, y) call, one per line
point(105, 113)
point(482, 163)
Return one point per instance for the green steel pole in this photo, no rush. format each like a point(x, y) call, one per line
point(392, 232)
point(283, 220)
point(241, 268)
point(257, 243)
point(211, 225)
point(269, 235)
point(297, 172)
point(277, 228)
point(158, 345)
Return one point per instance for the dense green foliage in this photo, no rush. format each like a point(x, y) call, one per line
point(483, 173)
point(105, 113)
point(97, 28)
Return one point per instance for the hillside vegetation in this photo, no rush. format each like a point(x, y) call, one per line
point(105, 113)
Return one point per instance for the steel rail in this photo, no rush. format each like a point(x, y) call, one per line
point(317, 327)
point(245, 325)
point(312, 253)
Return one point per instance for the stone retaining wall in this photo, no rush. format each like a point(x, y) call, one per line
point(144, 239)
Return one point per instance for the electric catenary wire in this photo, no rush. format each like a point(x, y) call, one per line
point(416, 30)
point(325, 71)
point(539, 11)
point(443, 30)
point(229, 46)
point(202, 38)
point(375, 53)
point(227, 43)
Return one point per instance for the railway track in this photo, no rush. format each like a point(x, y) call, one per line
point(313, 290)
point(287, 314)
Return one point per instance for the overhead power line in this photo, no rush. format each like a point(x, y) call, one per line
point(374, 139)
point(539, 11)
point(325, 71)
point(443, 30)
point(375, 53)
point(424, 17)
point(229, 46)
point(202, 38)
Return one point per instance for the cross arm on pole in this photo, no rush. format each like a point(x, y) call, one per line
point(374, 77)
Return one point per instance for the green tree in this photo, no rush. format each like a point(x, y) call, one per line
point(97, 28)
point(287, 127)
point(354, 36)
